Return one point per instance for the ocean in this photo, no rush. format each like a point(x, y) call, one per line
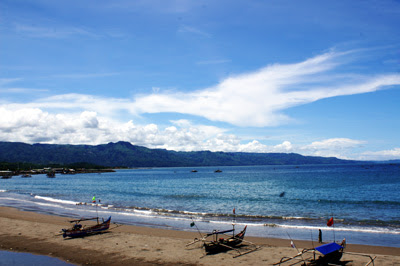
point(289, 202)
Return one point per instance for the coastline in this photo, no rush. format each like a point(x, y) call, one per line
point(23, 231)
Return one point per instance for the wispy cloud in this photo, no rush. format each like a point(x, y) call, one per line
point(85, 75)
point(159, 6)
point(21, 90)
point(260, 98)
point(4, 81)
point(213, 62)
point(257, 99)
point(57, 32)
point(193, 30)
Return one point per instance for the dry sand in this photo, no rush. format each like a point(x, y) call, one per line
point(133, 245)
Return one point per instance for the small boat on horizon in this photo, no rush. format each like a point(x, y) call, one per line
point(51, 174)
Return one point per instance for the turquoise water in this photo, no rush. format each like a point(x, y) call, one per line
point(273, 200)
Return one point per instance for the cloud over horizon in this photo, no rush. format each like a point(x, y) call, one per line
point(256, 99)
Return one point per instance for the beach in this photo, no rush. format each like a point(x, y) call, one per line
point(31, 232)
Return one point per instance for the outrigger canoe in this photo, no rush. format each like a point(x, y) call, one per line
point(222, 244)
point(78, 231)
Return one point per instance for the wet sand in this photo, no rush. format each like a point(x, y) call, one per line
point(133, 245)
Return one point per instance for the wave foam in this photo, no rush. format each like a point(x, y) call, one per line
point(56, 200)
point(344, 229)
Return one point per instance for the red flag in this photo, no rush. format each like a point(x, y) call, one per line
point(330, 222)
point(234, 211)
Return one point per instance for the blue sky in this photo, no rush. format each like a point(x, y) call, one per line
point(311, 77)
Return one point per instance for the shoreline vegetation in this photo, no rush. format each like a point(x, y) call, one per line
point(7, 170)
point(22, 231)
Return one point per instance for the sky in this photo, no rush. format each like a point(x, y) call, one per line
point(318, 78)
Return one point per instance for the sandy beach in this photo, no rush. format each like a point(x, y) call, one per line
point(133, 245)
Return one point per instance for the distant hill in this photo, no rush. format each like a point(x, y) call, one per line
point(124, 154)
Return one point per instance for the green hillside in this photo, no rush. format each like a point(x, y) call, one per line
point(124, 154)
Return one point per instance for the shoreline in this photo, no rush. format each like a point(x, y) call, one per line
point(22, 231)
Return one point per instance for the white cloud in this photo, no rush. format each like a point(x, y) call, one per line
point(335, 147)
point(256, 99)
point(286, 146)
point(33, 125)
point(381, 155)
point(334, 143)
point(260, 98)
point(89, 119)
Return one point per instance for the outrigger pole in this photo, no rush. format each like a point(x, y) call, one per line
point(299, 253)
point(202, 238)
point(196, 226)
point(81, 220)
point(333, 224)
point(234, 220)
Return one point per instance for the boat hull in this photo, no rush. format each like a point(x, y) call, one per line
point(87, 231)
point(221, 245)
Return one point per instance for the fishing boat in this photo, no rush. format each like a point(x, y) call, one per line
point(219, 244)
point(327, 254)
point(51, 174)
point(78, 230)
point(330, 254)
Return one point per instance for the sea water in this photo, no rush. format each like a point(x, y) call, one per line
point(274, 201)
point(8, 258)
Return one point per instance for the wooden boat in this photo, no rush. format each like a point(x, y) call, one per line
point(219, 244)
point(78, 230)
point(222, 244)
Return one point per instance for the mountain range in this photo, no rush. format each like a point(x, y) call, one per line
point(124, 154)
